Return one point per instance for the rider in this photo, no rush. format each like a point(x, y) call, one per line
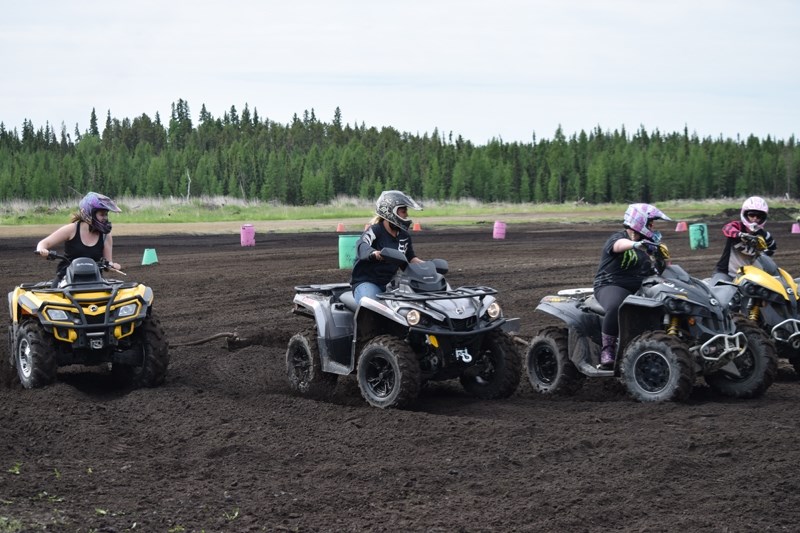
point(388, 229)
point(744, 238)
point(626, 260)
point(87, 235)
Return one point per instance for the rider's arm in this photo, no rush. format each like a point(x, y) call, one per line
point(732, 229)
point(364, 249)
point(59, 236)
point(771, 244)
point(108, 247)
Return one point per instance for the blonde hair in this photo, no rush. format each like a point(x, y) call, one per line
point(375, 220)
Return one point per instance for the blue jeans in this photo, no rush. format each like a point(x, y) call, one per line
point(367, 290)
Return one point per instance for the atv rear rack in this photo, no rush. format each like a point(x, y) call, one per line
point(461, 292)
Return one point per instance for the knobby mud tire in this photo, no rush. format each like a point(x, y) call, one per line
point(550, 370)
point(388, 373)
point(304, 367)
point(758, 365)
point(497, 371)
point(155, 357)
point(35, 356)
point(657, 367)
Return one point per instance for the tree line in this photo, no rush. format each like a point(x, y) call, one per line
point(309, 162)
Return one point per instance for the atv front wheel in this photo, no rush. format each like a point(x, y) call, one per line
point(549, 367)
point(35, 356)
point(750, 374)
point(657, 367)
point(155, 357)
point(496, 371)
point(304, 368)
point(388, 373)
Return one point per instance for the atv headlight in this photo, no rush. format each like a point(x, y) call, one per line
point(494, 310)
point(127, 310)
point(57, 315)
point(413, 317)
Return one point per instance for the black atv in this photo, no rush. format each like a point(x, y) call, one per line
point(672, 330)
point(419, 330)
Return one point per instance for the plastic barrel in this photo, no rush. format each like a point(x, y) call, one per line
point(698, 236)
point(499, 230)
point(248, 235)
point(347, 250)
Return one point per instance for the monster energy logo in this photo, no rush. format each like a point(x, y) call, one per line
point(629, 258)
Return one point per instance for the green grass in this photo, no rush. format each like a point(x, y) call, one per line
point(223, 209)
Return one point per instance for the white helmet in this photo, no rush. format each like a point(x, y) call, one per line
point(754, 204)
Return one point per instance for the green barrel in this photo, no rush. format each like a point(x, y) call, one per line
point(698, 236)
point(347, 250)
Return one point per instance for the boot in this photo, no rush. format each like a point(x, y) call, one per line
point(608, 353)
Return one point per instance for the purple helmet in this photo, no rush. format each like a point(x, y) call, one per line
point(93, 202)
point(638, 217)
point(389, 202)
point(759, 206)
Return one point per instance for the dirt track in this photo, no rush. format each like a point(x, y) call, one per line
point(224, 446)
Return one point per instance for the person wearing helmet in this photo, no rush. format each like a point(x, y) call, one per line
point(625, 261)
point(87, 235)
point(388, 229)
point(744, 239)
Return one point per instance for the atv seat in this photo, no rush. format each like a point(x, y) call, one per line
point(349, 300)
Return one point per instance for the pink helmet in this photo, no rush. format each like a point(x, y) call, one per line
point(638, 216)
point(93, 202)
point(758, 205)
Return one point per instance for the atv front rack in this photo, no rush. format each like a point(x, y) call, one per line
point(461, 292)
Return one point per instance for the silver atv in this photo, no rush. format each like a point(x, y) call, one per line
point(419, 330)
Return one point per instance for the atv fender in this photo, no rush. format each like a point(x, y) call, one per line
point(638, 314)
point(585, 324)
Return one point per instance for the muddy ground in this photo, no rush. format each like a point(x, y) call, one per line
point(224, 446)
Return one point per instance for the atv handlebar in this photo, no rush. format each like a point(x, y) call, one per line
point(102, 263)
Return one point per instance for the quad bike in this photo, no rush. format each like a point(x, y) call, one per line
point(768, 296)
point(88, 320)
point(419, 330)
point(672, 330)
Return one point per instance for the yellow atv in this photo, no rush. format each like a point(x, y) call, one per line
point(768, 296)
point(88, 320)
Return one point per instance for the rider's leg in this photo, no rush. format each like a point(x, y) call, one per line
point(366, 290)
point(610, 297)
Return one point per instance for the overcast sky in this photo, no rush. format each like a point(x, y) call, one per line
point(481, 69)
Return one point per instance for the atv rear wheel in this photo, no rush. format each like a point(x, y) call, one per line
point(750, 374)
point(657, 367)
point(549, 367)
point(304, 367)
point(35, 355)
point(497, 369)
point(155, 357)
point(388, 373)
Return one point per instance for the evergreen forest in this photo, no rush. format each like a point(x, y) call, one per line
point(309, 161)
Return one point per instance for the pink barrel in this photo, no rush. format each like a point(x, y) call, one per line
point(499, 230)
point(248, 235)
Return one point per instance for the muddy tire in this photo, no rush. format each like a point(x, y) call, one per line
point(155, 357)
point(388, 373)
point(304, 367)
point(497, 370)
point(657, 367)
point(550, 370)
point(35, 356)
point(755, 369)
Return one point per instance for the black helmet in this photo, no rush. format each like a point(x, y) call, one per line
point(389, 202)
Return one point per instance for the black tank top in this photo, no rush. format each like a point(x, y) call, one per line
point(75, 248)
